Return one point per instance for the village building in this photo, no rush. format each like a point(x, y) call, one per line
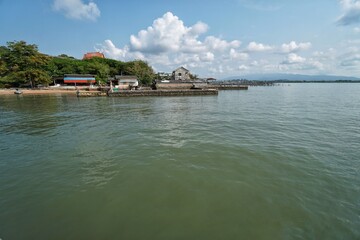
point(181, 74)
point(120, 82)
point(90, 55)
point(78, 79)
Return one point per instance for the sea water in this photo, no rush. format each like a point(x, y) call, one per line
point(276, 162)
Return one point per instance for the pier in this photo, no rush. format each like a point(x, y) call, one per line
point(91, 94)
point(148, 93)
point(230, 87)
point(161, 93)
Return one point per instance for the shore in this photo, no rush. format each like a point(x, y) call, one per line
point(37, 91)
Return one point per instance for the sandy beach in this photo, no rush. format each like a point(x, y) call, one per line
point(37, 91)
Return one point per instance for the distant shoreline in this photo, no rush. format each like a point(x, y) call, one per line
point(315, 81)
point(291, 81)
point(276, 82)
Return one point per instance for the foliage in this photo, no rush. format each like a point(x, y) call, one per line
point(193, 76)
point(142, 70)
point(22, 63)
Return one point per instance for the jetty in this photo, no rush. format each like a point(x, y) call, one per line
point(160, 93)
point(91, 94)
point(230, 87)
point(148, 93)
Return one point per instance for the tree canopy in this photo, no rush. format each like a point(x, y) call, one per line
point(23, 64)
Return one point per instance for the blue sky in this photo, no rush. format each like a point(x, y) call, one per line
point(210, 38)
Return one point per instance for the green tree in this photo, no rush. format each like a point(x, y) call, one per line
point(101, 71)
point(193, 76)
point(24, 64)
point(141, 70)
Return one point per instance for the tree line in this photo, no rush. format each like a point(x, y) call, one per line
point(22, 64)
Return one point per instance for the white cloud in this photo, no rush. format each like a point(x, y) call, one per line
point(77, 9)
point(235, 55)
point(254, 63)
point(169, 36)
point(216, 69)
point(168, 43)
point(198, 29)
point(258, 47)
point(316, 64)
point(166, 34)
point(111, 51)
point(294, 47)
point(217, 44)
point(293, 58)
point(351, 15)
point(329, 54)
point(243, 68)
point(207, 57)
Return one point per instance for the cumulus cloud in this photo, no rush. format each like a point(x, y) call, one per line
point(169, 34)
point(235, 55)
point(294, 47)
point(77, 9)
point(293, 58)
point(169, 42)
point(111, 51)
point(217, 44)
point(166, 34)
point(351, 15)
point(258, 47)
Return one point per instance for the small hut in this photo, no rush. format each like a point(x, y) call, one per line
point(121, 82)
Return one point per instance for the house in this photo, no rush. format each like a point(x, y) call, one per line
point(79, 79)
point(90, 55)
point(181, 74)
point(121, 82)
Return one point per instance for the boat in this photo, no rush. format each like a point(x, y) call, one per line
point(17, 91)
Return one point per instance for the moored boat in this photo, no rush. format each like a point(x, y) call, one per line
point(17, 91)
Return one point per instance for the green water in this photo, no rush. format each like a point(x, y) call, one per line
point(268, 163)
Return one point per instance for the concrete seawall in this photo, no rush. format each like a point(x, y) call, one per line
point(159, 93)
point(230, 87)
point(91, 94)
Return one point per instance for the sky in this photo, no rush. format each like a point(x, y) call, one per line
point(211, 38)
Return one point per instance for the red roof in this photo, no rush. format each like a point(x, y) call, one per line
point(93, 54)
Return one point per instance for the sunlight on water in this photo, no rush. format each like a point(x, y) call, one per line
point(267, 163)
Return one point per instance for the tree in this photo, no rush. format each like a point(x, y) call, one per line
point(65, 56)
point(59, 66)
point(193, 76)
point(24, 64)
point(100, 70)
point(141, 70)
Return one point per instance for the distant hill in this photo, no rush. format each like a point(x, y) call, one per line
point(292, 77)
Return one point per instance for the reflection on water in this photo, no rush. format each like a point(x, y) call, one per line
point(267, 163)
